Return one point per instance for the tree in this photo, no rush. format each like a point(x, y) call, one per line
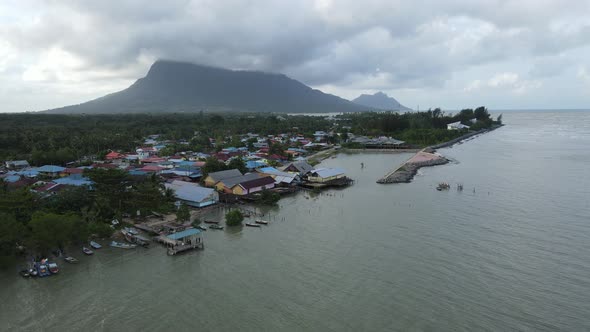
point(212, 164)
point(239, 164)
point(183, 214)
point(12, 233)
point(111, 194)
point(50, 230)
point(234, 218)
point(269, 197)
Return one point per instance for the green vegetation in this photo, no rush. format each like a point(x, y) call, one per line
point(268, 197)
point(416, 128)
point(35, 224)
point(234, 218)
point(183, 214)
point(58, 139)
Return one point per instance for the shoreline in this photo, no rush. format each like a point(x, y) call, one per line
point(426, 157)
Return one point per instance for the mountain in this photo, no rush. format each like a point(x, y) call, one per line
point(171, 86)
point(380, 100)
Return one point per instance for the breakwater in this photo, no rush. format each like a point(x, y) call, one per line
point(426, 157)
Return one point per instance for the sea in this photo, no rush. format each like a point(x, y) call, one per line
point(511, 251)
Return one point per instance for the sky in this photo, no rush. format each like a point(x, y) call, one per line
point(453, 54)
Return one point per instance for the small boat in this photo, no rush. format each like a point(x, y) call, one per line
point(262, 222)
point(53, 268)
point(33, 272)
point(87, 251)
point(121, 245)
point(201, 227)
point(70, 259)
point(42, 269)
point(25, 273)
point(215, 226)
point(95, 245)
point(211, 222)
point(249, 224)
point(131, 230)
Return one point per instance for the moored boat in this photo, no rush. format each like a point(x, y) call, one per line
point(121, 245)
point(71, 260)
point(249, 224)
point(216, 226)
point(131, 230)
point(42, 270)
point(87, 251)
point(53, 268)
point(25, 273)
point(262, 222)
point(95, 245)
point(211, 222)
point(201, 227)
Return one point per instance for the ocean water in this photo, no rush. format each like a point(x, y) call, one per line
point(509, 252)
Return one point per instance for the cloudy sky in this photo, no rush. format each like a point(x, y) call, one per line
point(447, 53)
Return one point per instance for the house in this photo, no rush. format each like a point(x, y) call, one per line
point(177, 242)
point(322, 175)
point(253, 164)
point(226, 184)
point(50, 170)
point(252, 186)
point(320, 135)
point(215, 177)
point(114, 156)
point(281, 178)
point(300, 167)
point(152, 169)
point(193, 194)
point(17, 164)
point(72, 171)
point(456, 126)
point(74, 180)
point(191, 172)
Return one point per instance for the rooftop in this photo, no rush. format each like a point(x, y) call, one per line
point(183, 234)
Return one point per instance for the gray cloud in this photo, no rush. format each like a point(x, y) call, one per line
point(374, 44)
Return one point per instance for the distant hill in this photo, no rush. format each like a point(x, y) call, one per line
point(381, 101)
point(184, 87)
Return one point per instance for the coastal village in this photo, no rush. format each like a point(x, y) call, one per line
point(262, 172)
point(257, 169)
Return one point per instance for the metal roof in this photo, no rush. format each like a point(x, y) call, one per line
point(222, 175)
point(183, 234)
point(189, 191)
point(328, 172)
point(240, 179)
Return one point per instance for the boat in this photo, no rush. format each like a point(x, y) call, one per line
point(249, 224)
point(262, 222)
point(121, 245)
point(25, 273)
point(70, 259)
point(211, 222)
point(136, 239)
point(42, 269)
point(131, 230)
point(95, 245)
point(201, 227)
point(443, 186)
point(215, 226)
point(53, 268)
point(87, 251)
point(33, 272)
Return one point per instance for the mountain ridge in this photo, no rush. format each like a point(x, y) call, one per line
point(174, 86)
point(380, 100)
